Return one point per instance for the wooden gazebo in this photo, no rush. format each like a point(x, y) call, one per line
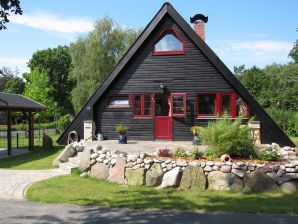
point(18, 103)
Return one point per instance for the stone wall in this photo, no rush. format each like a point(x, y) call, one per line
point(144, 169)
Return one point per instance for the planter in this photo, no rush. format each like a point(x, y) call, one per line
point(100, 137)
point(122, 139)
point(196, 139)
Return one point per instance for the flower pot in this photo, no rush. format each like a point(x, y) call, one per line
point(122, 139)
point(196, 139)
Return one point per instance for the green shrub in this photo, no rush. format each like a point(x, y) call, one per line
point(63, 122)
point(195, 153)
point(121, 129)
point(269, 154)
point(210, 154)
point(226, 136)
point(180, 152)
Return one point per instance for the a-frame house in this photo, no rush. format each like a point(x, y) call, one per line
point(168, 81)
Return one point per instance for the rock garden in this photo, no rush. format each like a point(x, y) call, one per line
point(230, 161)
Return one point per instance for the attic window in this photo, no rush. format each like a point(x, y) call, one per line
point(169, 42)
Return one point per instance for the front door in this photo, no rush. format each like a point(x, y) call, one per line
point(163, 122)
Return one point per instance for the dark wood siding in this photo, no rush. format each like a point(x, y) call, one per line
point(190, 73)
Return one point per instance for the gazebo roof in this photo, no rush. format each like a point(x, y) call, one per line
point(16, 102)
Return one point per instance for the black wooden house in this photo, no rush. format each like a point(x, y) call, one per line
point(168, 81)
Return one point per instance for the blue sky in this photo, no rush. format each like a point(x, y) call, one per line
point(251, 32)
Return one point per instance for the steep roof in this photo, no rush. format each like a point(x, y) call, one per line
point(18, 102)
point(168, 9)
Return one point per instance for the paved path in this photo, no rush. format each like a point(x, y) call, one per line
point(31, 212)
point(13, 183)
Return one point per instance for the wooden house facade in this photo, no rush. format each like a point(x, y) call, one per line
point(168, 81)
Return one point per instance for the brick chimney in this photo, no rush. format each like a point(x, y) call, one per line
point(199, 21)
point(199, 28)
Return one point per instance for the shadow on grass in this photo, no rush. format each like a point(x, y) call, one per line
point(35, 155)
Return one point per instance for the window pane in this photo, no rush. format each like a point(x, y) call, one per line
point(178, 110)
point(147, 111)
point(169, 43)
point(241, 107)
point(137, 111)
point(119, 100)
point(225, 104)
point(206, 104)
point(147, 98)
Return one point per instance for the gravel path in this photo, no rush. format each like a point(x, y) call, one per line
point(31, 212)
point(13, 183)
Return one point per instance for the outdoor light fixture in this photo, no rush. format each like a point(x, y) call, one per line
point(162, 86)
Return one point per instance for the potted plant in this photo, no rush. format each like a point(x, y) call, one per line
point(121, 129)
point(196, 137)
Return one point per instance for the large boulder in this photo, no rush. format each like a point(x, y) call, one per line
point(193, 177)
point(85, 160)
point(289, 187)
point(224, 181)
point(47, 142)
point(171, 178)
point(69, 151)
point(258, 181)
point(117, 173)
point(100, 171)
point(135, 176)
point(154, 175)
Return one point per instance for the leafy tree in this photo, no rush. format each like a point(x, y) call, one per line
point(5, 75)
point(56, 64)
point(239, 70)
point(256, 81)
point(38, 88)
point(15, 85)
point(95, 56)
point(7, 6)
point(294, 52)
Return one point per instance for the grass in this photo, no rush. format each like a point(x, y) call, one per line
point(77, 190)
point(294, 140)
point(37, 160)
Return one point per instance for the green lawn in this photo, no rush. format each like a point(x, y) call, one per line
point(295, 140)
point(88, 191)
point(36, 160)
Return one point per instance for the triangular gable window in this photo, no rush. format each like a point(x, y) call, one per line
point(169, 42)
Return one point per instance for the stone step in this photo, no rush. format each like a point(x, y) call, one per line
point(79, 153)
point(74, 160)
point(68, 166)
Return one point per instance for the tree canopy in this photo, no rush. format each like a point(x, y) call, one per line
point(94, 57)
point(55, 63)
point(7, 6)
point(5, 75)
point(15, 85)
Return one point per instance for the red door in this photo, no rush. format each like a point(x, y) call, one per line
point(163, 128)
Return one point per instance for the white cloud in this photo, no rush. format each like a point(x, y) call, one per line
point(257, 35)
point(260, 53)
point(51, 22)
point(13, 63)
point(18, 61)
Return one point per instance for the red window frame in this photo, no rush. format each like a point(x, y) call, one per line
point(118, 105)
point(172, 104)
point(218, 105)
point(142, 103)
point(165, 31)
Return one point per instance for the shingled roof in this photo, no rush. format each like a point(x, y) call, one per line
point(16, 102)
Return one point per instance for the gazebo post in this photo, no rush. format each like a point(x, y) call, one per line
point(31, 132)
point(8, 132)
